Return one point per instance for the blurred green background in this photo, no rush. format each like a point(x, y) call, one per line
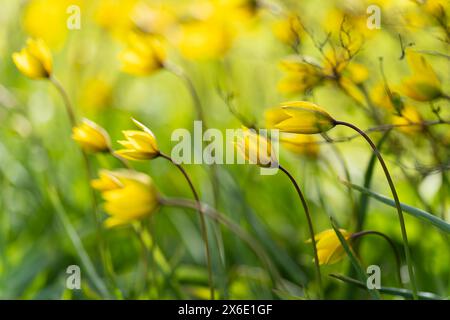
point(38, 156)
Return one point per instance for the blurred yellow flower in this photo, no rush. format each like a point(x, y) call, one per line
point(423, 84)
point(288, 30)
point(144, 55)
point(106, 181)
point(299, 117)
point(35, 60)
point(380, 97)
point(436, 8)
point(409, 122)
point(128, 196)
point(96, 95)
point(256, 149)
point(47, 20)
point(301, 144)
point(91, 137)
point(204, 39)
point(357, 72)
point(329, 248)
point(114, 16)
point(140, 145)
point(301, 74)
point(352, 89)
point(153, 19)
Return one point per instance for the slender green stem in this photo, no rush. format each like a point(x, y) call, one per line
point(123, 161)
point(76, 242)
point(202, 222)
point(89, 172)
point(232, 226)
point(145, 252)
point(310, 226)
point(397, 203)
point(388, 290)
point(65, 97)
point(353, 259)
point(360, 234)
point(179, 72)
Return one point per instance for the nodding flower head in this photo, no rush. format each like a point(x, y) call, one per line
point(91, 137)
point(256, 149)
point(139, 145)
point(143, 56)
point(329, 249)
point(299, 117)
point(128, 196)
point(34, 60)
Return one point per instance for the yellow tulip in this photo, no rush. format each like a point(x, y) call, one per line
point(140, 145)
point(128, 196)
point(299, 117)
point(300, 75)
point(329, 248)
point(35, 60)
point(409, 122)
point(106, 181)
point(256, 149)
point(144, 55)
point(91, 137)
point(423, 84)
point(301, 144)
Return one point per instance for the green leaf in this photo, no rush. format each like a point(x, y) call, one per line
point(418, 213)
point(361, 274)
point(364, 199)
point(389, 290)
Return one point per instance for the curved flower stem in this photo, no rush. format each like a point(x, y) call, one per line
point(88, 168)
point(67, 103)
point(232, 226)
point(310, 226)
point(179, 72)
point(123, 161)
point(397, 203)
point(145, 253)
point(360, 234)
point(202, 222)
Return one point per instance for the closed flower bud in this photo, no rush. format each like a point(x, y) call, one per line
point(35, 60)
point(91, 137)
point(256, 149)
point(299, 117)
point(128, 196)
point(329, 248)
point(139, 145)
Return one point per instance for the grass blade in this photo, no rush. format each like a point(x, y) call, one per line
point(418, 213)
point(389, 290)
point(359, 270)
point(76, 241)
